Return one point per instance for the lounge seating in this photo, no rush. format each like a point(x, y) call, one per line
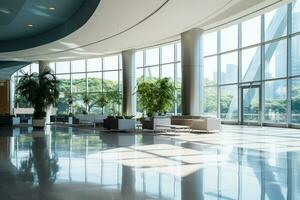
point(90, 118)
point(198, 123)
point(59, 118)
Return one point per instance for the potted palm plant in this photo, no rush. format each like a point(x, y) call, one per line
point(41, 91)
point(156, 97)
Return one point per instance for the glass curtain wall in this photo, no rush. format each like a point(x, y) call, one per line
point(160, 62)
point(262, 51)
point(90, 78)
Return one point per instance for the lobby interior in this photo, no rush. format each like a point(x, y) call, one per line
point(229, 129)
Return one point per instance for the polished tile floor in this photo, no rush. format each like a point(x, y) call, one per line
point(70, 164)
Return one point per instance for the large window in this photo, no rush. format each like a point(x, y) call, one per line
point(275, 59)
point(275, 101)
point(261, 52)
point(229, 67)
point(160, 62)
point(84, 78)
point(251, 66)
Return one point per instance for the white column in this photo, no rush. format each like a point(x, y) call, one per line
point(129, 82)
point(192, 62)
point(50, 111)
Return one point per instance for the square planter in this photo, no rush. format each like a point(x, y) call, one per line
point(153, 122)
point(119, 124)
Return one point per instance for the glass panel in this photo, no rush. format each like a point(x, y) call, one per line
point(62, 106)
point(167, 54)
point(78, 83)
point(78, 105)
point(110, 80)
point(178, 52)
point(276, 59)
point(178, 98)
point(63, 67)
point(139, 74)
point(210, 41)
point(52, 67)
point(295, 55)
point(251, 31)
point(178, 75)
point(275, 101)
point(94, 81)
point(168, 71)
point(251, 64)
point(251, 111)
point(151, 72)
point(25, 70)
point(295, 100)
point(120, 80)
point(296, 17)
point(34, 68)
point(94, 64)
point(110, 63)
point(64, 83)
point(152, 56)
point(229, 103)
point(139, 59)
point(210, 71)
point(275, 23)
point(210, 101)
point(229, 38)
point(78, 66)
point(229, 69)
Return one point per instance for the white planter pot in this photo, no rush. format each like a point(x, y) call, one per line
point(38, 123)
point(70, 120)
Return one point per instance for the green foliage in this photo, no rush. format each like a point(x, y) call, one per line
point(156, 96)
point(128, 116)
point(40, 90)
point(114, 99)
point(102, 101)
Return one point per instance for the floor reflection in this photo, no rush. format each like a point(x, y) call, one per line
point(67, 163)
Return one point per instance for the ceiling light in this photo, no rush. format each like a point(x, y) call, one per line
point(29, 25)
point(51, 8)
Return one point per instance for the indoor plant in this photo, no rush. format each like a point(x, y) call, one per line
point(41, 91)
point(155, 97)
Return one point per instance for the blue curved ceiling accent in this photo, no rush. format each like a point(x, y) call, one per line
point(51, 20)
point(8, 68)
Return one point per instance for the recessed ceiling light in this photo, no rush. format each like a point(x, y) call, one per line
point(51, 8)
point(29, 25)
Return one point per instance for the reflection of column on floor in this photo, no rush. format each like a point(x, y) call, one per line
point(292, 174)
point(265, 175)
point(192, 184)
point(4, 147)
point(128, 182)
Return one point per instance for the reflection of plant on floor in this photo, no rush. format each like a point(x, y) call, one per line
point(39, 167)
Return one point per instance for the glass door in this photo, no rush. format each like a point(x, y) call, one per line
point(251, 105)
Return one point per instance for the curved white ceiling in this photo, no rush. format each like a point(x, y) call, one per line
point(119, 25)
